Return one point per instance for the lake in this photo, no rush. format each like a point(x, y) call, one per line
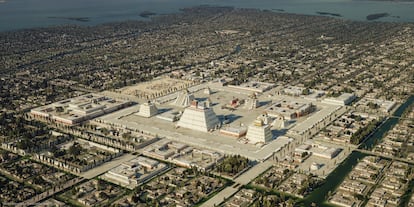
point(22, 14)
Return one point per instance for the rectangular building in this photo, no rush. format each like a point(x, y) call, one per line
point(76, 110)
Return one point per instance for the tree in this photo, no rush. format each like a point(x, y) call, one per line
point(105, 131)
point(127, 135)
point(135, 198)
point(75, 149)
point(38, 180)
point(4, 155)
point(59, 109)
point(103, 195)
point(358, 118)
point(228, 167)
point(233, 164)
point(372, 105)
point(306, 91)
point(25, 144)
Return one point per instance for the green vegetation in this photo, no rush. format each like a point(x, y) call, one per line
point(266, 196)
point(273, 200)
point(15, 125)
point(232, 165)
point(334, 94)
point(306, 91)
point(75, 149)
point(312, 183)
point(373, 105)
point(41, 66)
point(361, 133)
point(407, 195)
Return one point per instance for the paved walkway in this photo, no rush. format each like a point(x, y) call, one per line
point(253, 172)
point(220, 197)
point(106, 166)
point(243, 179)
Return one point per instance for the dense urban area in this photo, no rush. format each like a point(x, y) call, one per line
point(212, 106)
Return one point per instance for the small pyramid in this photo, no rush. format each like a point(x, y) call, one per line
point(184, 99)
point(207, 91)
point(280, 123)
point(147, 110)
point(252, 102)
point(258, 131)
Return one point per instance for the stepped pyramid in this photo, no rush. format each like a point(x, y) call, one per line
point(252, 102)
point(207, 91)
point(199, 117)
point(184, 99)
point(258, 131)
point(147, 110)
point(280, 123)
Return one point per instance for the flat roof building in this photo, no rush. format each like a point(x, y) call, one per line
point(319, 150)
point(254, 86)
point(170, 116)
point(342, 100)
point(289, 109)
point(293, 90)
point(131, 173)
point(234, 131)
point(383, 105)
point(76, 110)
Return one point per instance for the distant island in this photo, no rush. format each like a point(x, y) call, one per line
point(279, 10)
point(329, 14)
point(377, 16)
point(207, 8)
point(147, 14)
point(79, 19)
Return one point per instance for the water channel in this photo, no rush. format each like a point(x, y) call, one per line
point(320, 195)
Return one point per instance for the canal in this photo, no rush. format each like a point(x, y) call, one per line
point(320, 195)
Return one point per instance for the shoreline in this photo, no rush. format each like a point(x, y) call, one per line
point(147, 14)
point(376, 16)
point(142, 16)
point(78, 19)
point(329, 14)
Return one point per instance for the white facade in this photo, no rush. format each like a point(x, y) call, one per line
point(207, 91)
point(251, 103)
point(254, 86)
point(147, 110)
point(131, 173)
point(199, 117)
point(280, 123)
point(184, 99)
point(75, 110)
point(259, 132)
point(342, 100)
